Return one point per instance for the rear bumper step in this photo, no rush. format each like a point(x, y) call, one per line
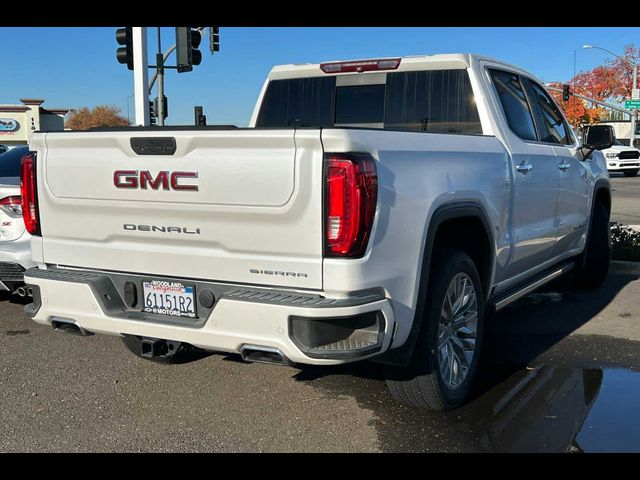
point(261, 324)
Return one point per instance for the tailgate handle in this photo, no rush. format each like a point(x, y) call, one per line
point(153, 145)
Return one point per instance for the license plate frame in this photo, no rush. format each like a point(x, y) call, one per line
point(167, 299)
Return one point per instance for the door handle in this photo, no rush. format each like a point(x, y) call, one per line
point(564, 165)
point(524, 167)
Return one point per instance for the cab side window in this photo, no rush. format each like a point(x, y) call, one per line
point(551, 124)
point(514, 104)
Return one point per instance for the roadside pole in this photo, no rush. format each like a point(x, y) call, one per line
point(634, 94)
point(160, 70)
point(140, 75)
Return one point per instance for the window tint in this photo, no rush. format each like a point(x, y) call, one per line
point(10, 162)
point(298, 102)
point(360, 104)
point(436, 101)
point(551, 124)
point(514, 104)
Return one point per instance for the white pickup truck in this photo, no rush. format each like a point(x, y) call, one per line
point(373, 209)
point(622, 158)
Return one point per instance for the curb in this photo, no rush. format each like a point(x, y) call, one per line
point(618, 266)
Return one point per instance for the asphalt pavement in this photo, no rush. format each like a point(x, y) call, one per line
point(561, 372)
point(625, 205)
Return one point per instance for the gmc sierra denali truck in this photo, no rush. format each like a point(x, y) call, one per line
point(375, 209)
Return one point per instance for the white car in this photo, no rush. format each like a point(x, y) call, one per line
point(622, 158)
point(15, 241)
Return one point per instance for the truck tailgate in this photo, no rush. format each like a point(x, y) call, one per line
point(256, 216)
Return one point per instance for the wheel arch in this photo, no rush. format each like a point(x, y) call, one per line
point(601, 194)
point(452, 215)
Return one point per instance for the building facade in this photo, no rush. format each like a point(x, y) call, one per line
point(18, 122)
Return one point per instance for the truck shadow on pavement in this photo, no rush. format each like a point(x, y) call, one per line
point(532, 370)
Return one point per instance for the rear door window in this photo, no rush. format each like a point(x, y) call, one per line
point(514, 104)
point(551, 124)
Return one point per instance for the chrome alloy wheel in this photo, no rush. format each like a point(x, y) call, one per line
point(457, 331)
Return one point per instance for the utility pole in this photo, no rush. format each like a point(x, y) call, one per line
point(140, 75)
point(128, 113)
point(634, 95)
point(160, 70)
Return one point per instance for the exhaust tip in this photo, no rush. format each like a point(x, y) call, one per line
point(21, 291)
point(260, 354)
point(65, 325)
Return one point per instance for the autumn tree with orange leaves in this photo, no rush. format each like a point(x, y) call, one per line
point(610, 83)
point(100, 116)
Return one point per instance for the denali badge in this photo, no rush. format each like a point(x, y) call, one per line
point(144, 180)
point(163, 229)
point(278, 272)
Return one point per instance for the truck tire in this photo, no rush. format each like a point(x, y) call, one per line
point(630, 173)
point(182, 352)
point(441, 377)
point(593, 265)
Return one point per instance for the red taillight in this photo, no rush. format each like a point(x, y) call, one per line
point(28, 193)
point(12, 205)
point(361, 65)
point(11, 201)
point(351, 189)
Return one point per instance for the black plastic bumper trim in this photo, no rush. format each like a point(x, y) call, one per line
point(109, 290)
point(312, 352)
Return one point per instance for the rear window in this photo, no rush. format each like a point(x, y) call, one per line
point(298, 102)
point(360, 104)
point(10, 162)
point(438, 101)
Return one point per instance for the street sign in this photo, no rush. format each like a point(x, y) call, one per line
point(632, 104)
point(635, 94)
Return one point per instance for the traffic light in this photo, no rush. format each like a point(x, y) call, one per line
point(214, 39)
point(565, 93)
point(165, 107)
point(153, 113)
point(200, 118)
point(187, 54)
point(124, 54)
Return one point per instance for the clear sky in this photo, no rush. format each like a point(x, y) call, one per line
point(75, 67)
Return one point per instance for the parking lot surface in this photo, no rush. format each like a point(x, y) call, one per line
point(561, 373)
point(625, 206)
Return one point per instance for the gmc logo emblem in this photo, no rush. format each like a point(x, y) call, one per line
point(164, 180)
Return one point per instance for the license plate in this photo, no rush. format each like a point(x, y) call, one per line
point(168, 298)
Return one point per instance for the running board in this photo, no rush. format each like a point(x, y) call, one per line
point(511, 296)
